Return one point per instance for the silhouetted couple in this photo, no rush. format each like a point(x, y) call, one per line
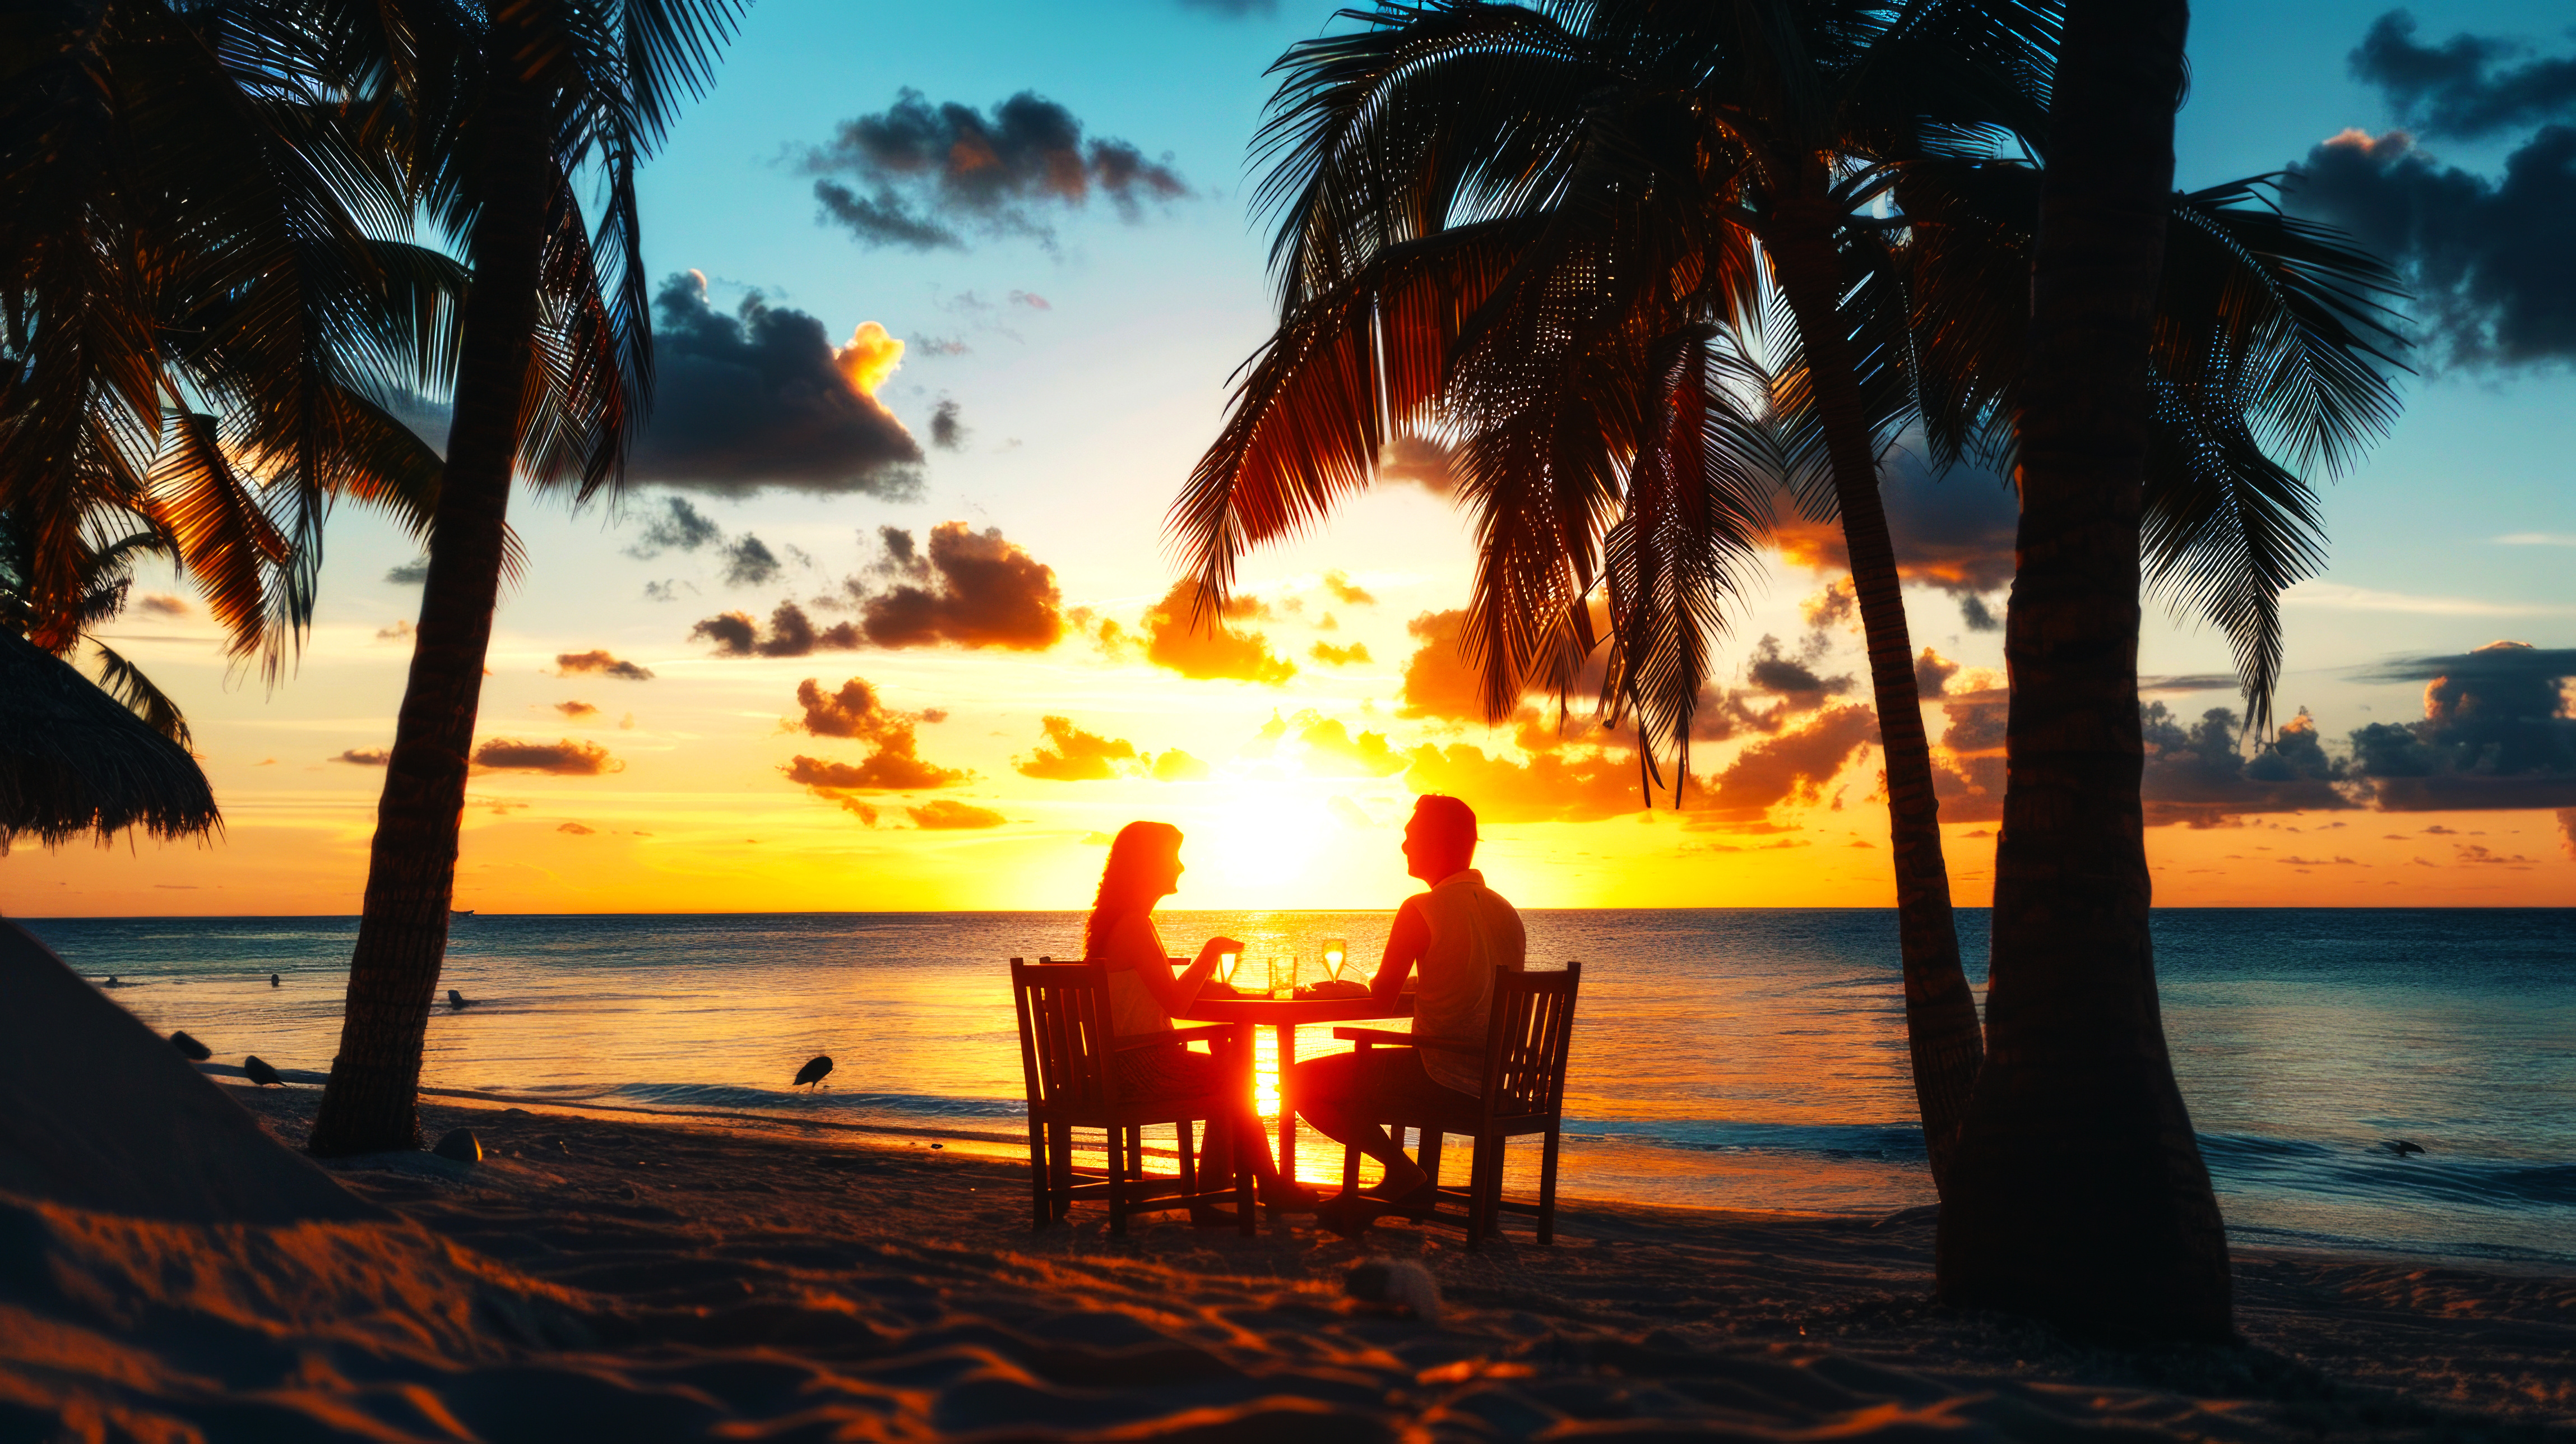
point(1455, 935)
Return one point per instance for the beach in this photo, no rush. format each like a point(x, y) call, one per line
point(639, 1280)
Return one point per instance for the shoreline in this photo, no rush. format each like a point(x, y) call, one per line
point(668, 1215)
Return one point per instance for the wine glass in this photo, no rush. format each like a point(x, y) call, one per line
point(1337, 952)
point(1226, 964)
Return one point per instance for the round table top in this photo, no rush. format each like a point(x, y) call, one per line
point(1295, 1010)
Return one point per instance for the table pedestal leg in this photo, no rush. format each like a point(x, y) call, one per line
point(1287, 1033)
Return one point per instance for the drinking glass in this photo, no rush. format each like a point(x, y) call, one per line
point(1283, 977)
point(1336, 953)
point(1226, 963)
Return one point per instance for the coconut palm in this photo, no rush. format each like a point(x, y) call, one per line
point(501, 111)
point(1625, 255)
point(2078, 1191)
point(209, 306)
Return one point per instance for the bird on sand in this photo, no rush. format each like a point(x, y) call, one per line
point(814, 1070)
point(273, 982)
point(259, 1073)
point(456, 999)
point(191, 1047)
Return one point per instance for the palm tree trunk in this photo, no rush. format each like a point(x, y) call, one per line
point(2079, 1193)
point(1940, 1010)
point(371, 1102)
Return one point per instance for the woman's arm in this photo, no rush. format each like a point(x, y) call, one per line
point(1405, 944)
point(1136, 940)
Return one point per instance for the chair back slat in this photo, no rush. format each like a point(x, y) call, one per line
point(1526, 1041)
point(1065, 1040)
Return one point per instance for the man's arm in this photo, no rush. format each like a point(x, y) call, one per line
point(1405, 944)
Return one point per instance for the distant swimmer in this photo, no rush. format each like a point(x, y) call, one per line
point(273, 982)
point(113, 982)
point(815, 1070)
point(456, 999)
point(2401, 1147)
point(259, 1073)
point(191, 1047)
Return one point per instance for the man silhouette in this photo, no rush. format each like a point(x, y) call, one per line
point(1456, 934)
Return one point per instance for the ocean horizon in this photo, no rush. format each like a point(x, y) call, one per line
point(1723, 1058)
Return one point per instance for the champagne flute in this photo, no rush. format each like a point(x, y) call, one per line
point(1337, 951)
point(1226, 963)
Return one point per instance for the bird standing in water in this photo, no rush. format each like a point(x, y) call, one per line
point(273, 982)
point(259, 1073)
point(814, 1070)
point(456, 999)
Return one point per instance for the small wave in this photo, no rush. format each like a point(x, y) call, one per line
point(2352, 1170)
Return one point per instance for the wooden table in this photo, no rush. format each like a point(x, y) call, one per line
point(1282, 1016)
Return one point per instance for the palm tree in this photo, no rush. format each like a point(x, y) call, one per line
point(1570, 237)
point(207, 309)
point(2078, 1192)
point(502, 109)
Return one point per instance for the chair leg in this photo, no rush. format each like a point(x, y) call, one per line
point(1040, 1195)
point(1429, 1158)
point(1547, 1191)
point(1241, 1162)
point(1118, 1157)
point(1189, 1165)
point(1135, 1151)
point(1060, 1168)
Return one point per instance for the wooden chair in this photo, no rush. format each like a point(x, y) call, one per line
point(1524, 1092)
point(1066, 1044)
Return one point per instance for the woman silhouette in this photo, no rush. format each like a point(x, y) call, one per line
point(1144, 868)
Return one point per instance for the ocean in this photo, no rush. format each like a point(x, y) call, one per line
point(1750, 1059)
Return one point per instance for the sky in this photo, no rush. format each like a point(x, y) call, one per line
point(885, 618)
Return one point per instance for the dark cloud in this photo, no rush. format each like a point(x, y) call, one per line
point(1205, 649)
point(576, 829)
point(1332, 656)
point(974, 589)
point(1431, 465)
point(1953, 531)
point(2497, 733)
point(2462, 88)
point(409, 574)
point(791, 634)
point(2485, 258)
point(1792, 679)
point(575, 711)
point(947, 432)
point(854, 711)
point(678, 527)
point(1069, 754)
point(566, 758)
point(749, 563)
point(600, 664)
point(363, 757)
point(2567, 832)
point(894, 762)
point(2201, 776)
point(1932, 673)
point(925, 176)
point(946, 815)
point(760, 398)
point(1790, 768)
point(891, 768)
point(2190, 682)
point(1976, 616)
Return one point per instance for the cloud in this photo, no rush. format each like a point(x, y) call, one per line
point(576, 829)
point(1338, 586)
point(859, 713)
point(1553, 787)
point(1069, 754)
point(748, 563)
point(791, 634)
point(2484, 258)
point(409, 574)
point(2567, 832)
point(1178, 766)
point(598, 663)
point(2201, 777)
point(2461, 89)
point(1206, 651)
point(566, 758)
point(575, 711)
point(1790, 768)
point(946, 815)
point(2496, 733)
point(854, 711)
point(971, 589)
point(1332, 656)
point(1418, 460)
point(161, 604)
point(924, 177)
point(1974, 615)
point(1437, 681)
point(1331, 750)
point(885, 770)
point(1954, 532)
point(947, 432)
point(680, 527)
point(761, 398)
point(1932, 673)
point(1792, 679)
point(363, 757)
point(395, 633)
